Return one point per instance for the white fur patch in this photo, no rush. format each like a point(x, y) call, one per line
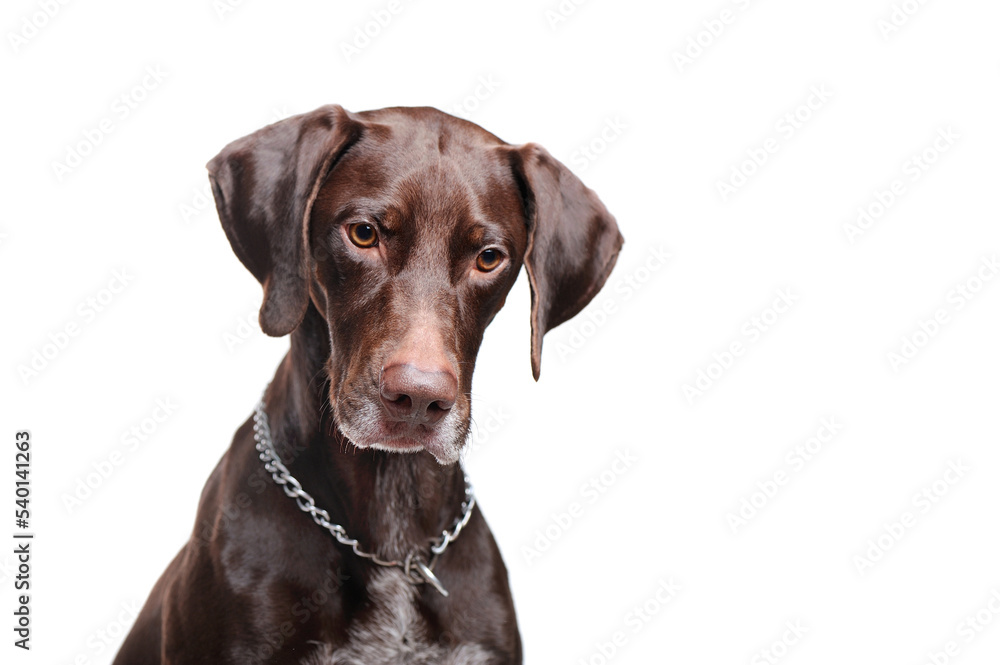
point(395, 634)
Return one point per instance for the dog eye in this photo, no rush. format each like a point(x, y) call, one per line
point(362, 235)
point(488, 260)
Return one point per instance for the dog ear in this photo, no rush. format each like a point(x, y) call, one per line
point(573, 242)
point(264, 186)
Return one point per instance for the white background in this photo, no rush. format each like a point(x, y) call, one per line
point(663, 134)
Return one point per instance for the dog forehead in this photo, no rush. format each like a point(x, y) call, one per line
point(422, 165)
point(402, 124)
point(406, 142)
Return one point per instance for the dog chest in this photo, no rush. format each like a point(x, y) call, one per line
point(394, 633)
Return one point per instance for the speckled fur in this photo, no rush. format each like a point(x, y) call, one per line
point(395, 634)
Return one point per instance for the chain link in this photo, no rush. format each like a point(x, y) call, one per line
point(413, 566)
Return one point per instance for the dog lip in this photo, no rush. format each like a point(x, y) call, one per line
point(443, 452)
point(402, 437)
point(400, 443)
point(397, 436)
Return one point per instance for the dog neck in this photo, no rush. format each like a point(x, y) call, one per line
point(393, 503)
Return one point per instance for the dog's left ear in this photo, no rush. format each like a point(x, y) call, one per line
point(573, 242)
point(264, 186)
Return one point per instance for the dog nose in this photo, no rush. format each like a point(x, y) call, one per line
point(418, 396)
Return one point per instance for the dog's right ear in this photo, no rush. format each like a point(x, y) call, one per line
point(573, 242)
point(264, 186)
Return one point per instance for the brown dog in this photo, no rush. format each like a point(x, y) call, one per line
point(385, 241)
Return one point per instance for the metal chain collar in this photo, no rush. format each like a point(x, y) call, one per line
point(416, 570)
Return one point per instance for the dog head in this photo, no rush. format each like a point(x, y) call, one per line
point(406, 228)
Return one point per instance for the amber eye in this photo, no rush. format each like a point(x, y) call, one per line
point(362, 235)
point(488, 260)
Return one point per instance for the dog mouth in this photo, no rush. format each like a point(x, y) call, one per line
point(402, 437)
point(443, 452)
point(368, 427)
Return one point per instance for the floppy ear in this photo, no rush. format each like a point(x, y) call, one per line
point(573, 242)
point(264, 186)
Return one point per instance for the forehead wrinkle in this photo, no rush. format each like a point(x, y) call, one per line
point(440, 205)
point(356, 207)
point(439, 200)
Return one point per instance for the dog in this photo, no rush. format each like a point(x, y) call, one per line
point(339, 526)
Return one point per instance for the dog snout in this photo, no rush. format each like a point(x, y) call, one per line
point(418, 396)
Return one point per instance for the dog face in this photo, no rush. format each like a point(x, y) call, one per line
point(418, 234)
point(406, 228)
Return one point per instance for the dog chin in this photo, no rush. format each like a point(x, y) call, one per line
point(444, 453)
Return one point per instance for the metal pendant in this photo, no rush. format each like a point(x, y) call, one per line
point(423, 574)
